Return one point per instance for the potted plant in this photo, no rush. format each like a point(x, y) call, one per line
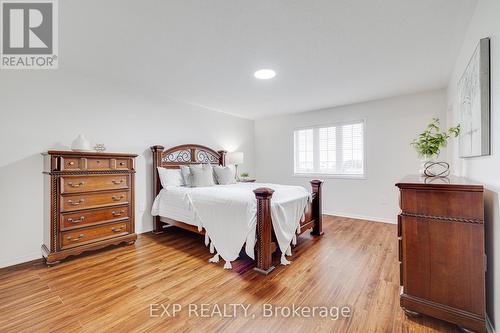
point(428, 146)
point(244, 175)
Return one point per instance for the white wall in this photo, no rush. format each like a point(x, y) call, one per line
point(40, 110)
point(391, 124)
point(484, 23)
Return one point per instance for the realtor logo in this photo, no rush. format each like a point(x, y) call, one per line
point(29, 37)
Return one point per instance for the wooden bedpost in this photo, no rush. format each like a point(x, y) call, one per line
point(264, 230)
point(222, 157)
point(157, 151)
point(317, 211)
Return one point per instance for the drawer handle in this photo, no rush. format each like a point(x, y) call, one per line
point(120, 213)
point(75, 238)
point(76, 185)
point(122, 163)
point(76, 203)
point(81, 219)
point(118, 182)
point(118, 229)
point(117, 198)
point(71, 163)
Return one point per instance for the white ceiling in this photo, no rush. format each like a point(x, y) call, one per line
point(325, 52)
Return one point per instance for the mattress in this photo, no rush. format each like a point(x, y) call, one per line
point(172, 203)
point(228, 213)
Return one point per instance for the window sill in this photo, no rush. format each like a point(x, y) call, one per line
point(325, 175)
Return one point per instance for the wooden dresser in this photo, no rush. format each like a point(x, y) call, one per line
point(89, 202)
point(441, 250)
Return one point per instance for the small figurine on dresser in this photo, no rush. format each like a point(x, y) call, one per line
point(99, 147)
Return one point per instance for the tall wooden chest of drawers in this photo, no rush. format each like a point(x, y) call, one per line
point(442, 251)
point(89, 202)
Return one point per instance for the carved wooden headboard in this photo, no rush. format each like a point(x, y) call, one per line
point(182, 155)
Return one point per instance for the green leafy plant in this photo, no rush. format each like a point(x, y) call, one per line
point(244, 174)
point(430, 142)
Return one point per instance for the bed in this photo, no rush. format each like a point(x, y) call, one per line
point(174, 211)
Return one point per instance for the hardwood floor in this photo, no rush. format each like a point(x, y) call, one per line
point(354, 264)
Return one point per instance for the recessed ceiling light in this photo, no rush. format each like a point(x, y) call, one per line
point(265, 74)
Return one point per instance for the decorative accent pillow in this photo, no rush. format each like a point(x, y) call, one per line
point(224, 175)
point(202, 177)
point(170, 177)
point(186, 173)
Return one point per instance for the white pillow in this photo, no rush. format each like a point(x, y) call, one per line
point(170, 177)
point(224, 175)
point(202, 177)
point(186, 173)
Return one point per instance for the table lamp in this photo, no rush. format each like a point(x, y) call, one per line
point(235, 158)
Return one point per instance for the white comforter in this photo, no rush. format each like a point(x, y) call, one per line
point(228, 214)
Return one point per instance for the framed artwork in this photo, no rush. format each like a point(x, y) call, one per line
point(474, 103)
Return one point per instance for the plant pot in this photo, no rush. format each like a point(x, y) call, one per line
point(423, 162)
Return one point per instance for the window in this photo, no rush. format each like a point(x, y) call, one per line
point(330, 150)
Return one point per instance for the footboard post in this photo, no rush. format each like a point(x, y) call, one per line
point(317, 211)
point(157, 151)
point(264, 230)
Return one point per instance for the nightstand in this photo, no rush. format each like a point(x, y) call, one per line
point(247, 180)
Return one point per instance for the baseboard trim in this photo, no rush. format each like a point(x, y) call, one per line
point(362, 217)
point(489, 325)
point(38, 255)
point(143, 231)
point(20, 260)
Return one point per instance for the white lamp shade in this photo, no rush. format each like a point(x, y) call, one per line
point(234, 158)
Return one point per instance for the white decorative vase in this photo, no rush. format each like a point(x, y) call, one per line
point(81, 144)
point(423, 162)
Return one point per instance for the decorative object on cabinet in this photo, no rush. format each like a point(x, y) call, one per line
point(441, 250)
point(428, 146)
point(81, 144)
point(235, 158)
point(90, 202)
point(100, 147)
point(475, 102)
